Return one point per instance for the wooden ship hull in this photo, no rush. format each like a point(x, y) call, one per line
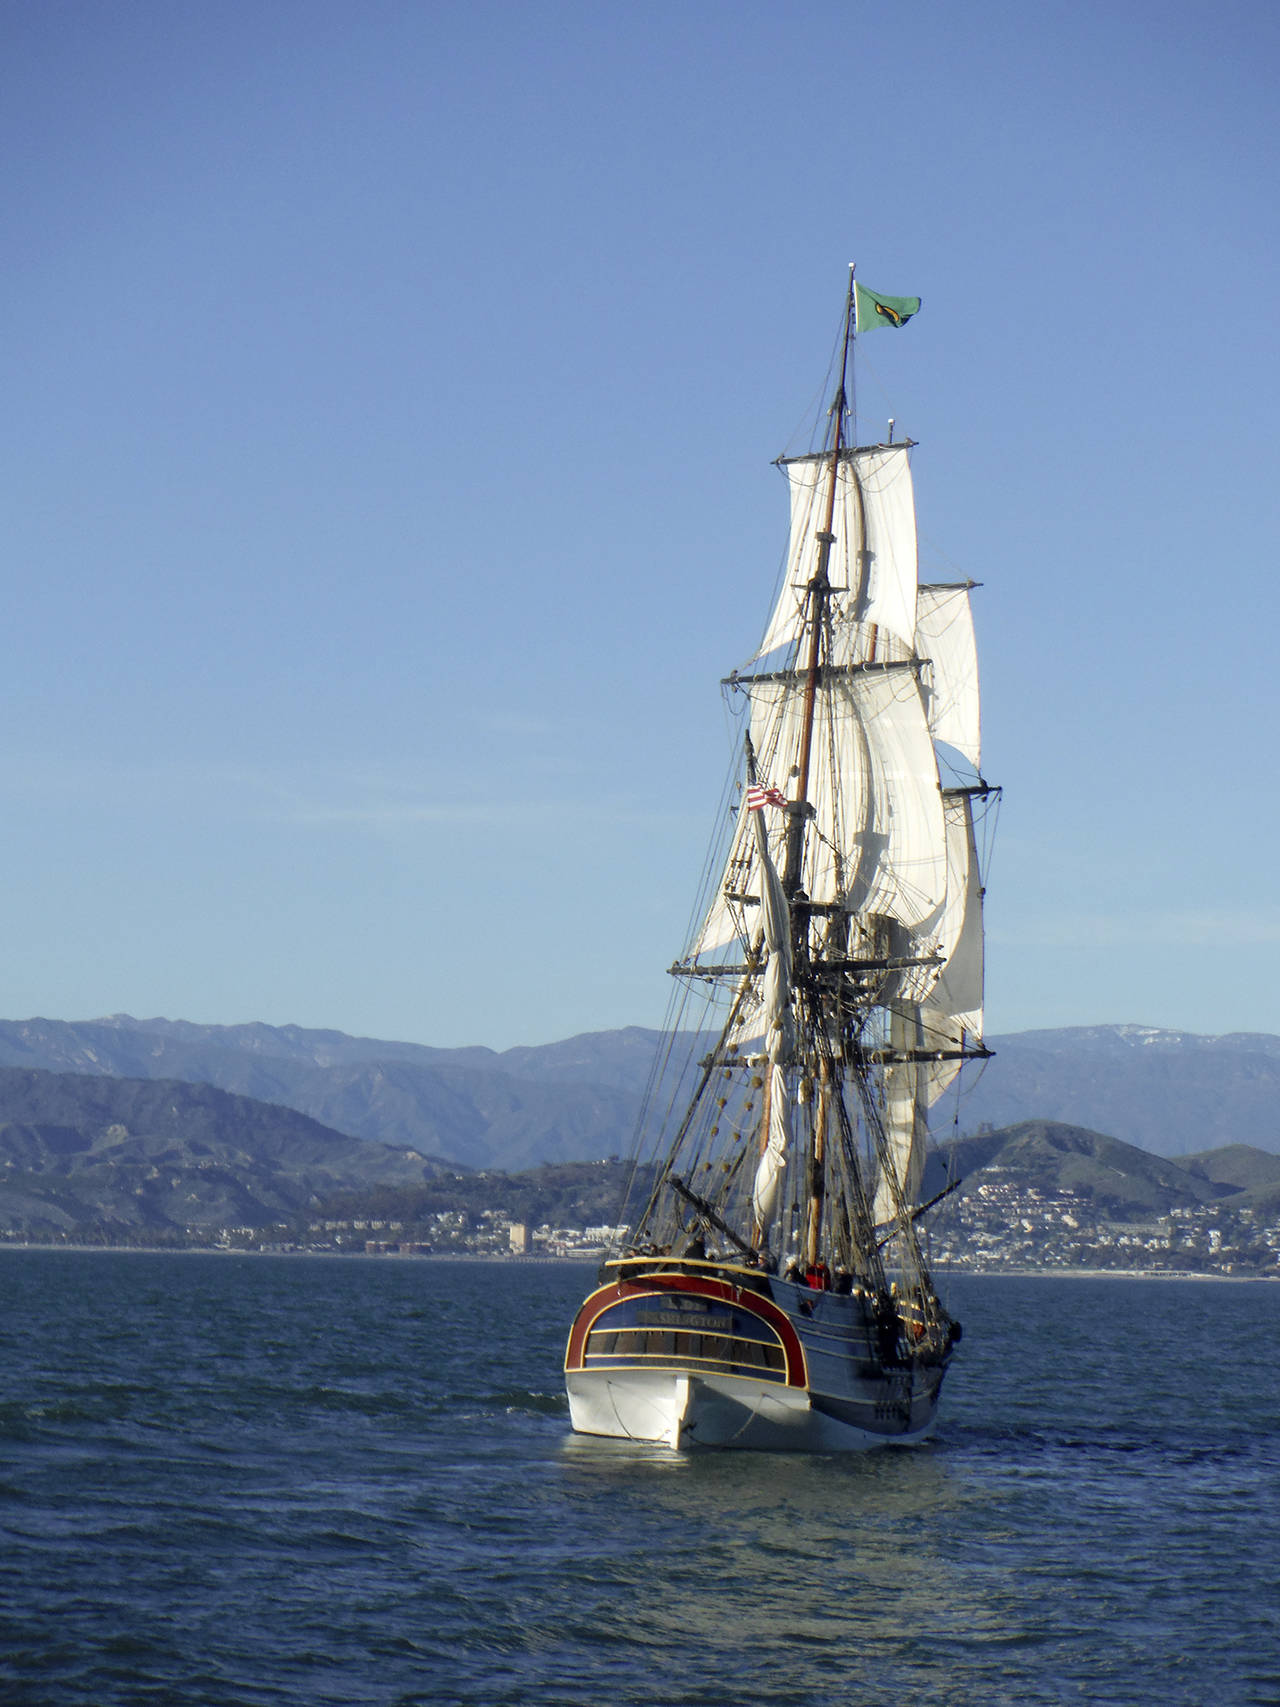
point(703, 1354)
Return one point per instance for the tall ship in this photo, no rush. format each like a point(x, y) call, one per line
point(775, 1289)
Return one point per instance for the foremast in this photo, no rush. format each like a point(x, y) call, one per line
point(819, 594)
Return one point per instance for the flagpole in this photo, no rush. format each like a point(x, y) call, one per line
point(853, 377)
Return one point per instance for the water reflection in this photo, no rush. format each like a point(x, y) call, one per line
point(764, 1550)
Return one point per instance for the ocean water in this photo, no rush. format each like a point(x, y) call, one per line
point(297, 1480)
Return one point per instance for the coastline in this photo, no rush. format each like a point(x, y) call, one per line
point(947, 1273)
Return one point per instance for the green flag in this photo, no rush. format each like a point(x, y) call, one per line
point(872, 309)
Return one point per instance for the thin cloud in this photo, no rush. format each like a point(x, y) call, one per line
point(1244, 927)
point(317, 795)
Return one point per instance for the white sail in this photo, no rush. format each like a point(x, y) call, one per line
point(951, 1021)
point(880, 846)
point(958, 990)
point(949, 1034)
point(872, 564)
point(904, 1122)
point(944, 635)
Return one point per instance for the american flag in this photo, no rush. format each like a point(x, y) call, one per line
point(758, 798)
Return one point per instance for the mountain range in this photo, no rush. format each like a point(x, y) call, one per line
point(1172, 1093)
point(567, 1101)
point(90, 1156)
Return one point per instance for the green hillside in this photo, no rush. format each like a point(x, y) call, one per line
point(1053, 1157)
point(101, 1157)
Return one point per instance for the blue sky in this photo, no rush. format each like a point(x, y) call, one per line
point(391, 392)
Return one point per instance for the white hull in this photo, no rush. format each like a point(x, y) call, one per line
point(699, 1354)
point(687, 1411)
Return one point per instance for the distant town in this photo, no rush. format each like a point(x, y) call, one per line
point(1000, 1224)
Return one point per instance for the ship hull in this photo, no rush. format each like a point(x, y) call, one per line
point(696, 1356)
point(673, 1408)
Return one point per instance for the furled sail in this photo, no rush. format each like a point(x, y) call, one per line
point(872, 564)
point(779, 1035)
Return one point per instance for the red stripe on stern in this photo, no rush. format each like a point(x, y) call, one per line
point(654, 1285)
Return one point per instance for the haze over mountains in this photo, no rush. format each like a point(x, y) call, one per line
point(562, 1102)
point(1171, 1093)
